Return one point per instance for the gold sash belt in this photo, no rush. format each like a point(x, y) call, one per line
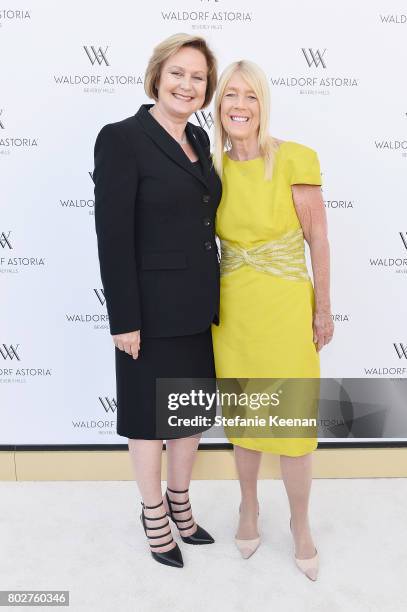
point(284, 257)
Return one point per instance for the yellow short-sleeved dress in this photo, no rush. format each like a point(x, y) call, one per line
point(266, 302)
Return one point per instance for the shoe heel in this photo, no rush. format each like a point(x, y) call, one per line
point(247, 547)
point(309, 567)
point(200, 536)
point(172, 557)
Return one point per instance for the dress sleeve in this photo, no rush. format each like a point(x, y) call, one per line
point(305, 168)
point(115, 179)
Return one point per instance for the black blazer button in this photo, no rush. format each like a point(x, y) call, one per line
point(206, 198)
point(208, 245)
point(207, 221)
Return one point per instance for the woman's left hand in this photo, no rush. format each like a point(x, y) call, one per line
point(323, 328)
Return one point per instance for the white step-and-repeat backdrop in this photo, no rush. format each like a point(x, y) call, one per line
point(338, 78)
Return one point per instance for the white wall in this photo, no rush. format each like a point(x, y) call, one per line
point(57, 359)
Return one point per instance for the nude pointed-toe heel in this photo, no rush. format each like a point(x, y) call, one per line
point(247, 547)
point(310, 566)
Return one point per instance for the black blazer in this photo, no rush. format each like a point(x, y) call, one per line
point(154, 216)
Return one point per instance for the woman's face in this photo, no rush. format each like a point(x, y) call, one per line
point(182, 84)
point(240, 109)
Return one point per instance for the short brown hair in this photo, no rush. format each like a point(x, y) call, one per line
point(172, 45)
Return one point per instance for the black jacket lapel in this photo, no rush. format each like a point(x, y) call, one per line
point(170, 146)
point(202, 150)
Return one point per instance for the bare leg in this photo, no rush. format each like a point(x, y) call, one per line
point(180, 460)
point(146, 461)
point(297, 476)
point(247, 465)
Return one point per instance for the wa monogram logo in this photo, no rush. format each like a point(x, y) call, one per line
point(315, 58)
point(401, 350)
point(4, 240)
point(9, 352)
point(399, 263)
point(16, 373)
point(311, 80)
point(399, 369)
point(204, 119)
point(392, 370)
point(109, 404)
point(403, 236)
point(97, 55)
point(100, 320)
point(11, 142)
point(16, 263)
point(100, 294)
point(103, 425)
point(97, 81)
point(80, 204)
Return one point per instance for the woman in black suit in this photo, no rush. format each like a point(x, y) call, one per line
point(156, 195)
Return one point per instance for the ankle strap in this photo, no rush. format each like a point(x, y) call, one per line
point(173, 490)
point(152, 507)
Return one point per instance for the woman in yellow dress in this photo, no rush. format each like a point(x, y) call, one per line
point(272, 324)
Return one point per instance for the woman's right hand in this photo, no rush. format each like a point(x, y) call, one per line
point(128, 342)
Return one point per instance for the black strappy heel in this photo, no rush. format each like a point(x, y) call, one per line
point(200, 536)
point(171, 557)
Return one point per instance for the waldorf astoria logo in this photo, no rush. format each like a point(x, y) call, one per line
point(393, 18)
point(398, 260)
point(204, 119)
point(5, 240)
point(11, 141)
point(391, 146)
point(108, 403)
point(103, 426)
point(14, 264)
point(15, 369)
point(314, 57)
point(100, 80)
point(316, 80)
point(97, 55)
point(83, 204)
point(96, 319)
point(100, 294)
point(216, 17)
point(400, 367)
point(341, 317)
point(401, 350)
point(87, 204)
point(9, 351)
point(8, 15)
point(339, 204)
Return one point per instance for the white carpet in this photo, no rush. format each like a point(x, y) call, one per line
point(86, 537)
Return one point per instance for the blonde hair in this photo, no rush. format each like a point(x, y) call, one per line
point(169, 47)
point(256, 79)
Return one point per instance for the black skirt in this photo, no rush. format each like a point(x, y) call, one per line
point(176, 358)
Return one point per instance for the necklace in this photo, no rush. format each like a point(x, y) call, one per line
point(183, 140)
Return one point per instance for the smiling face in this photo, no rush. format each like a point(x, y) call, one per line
point(240, 109)
point(182, 83)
